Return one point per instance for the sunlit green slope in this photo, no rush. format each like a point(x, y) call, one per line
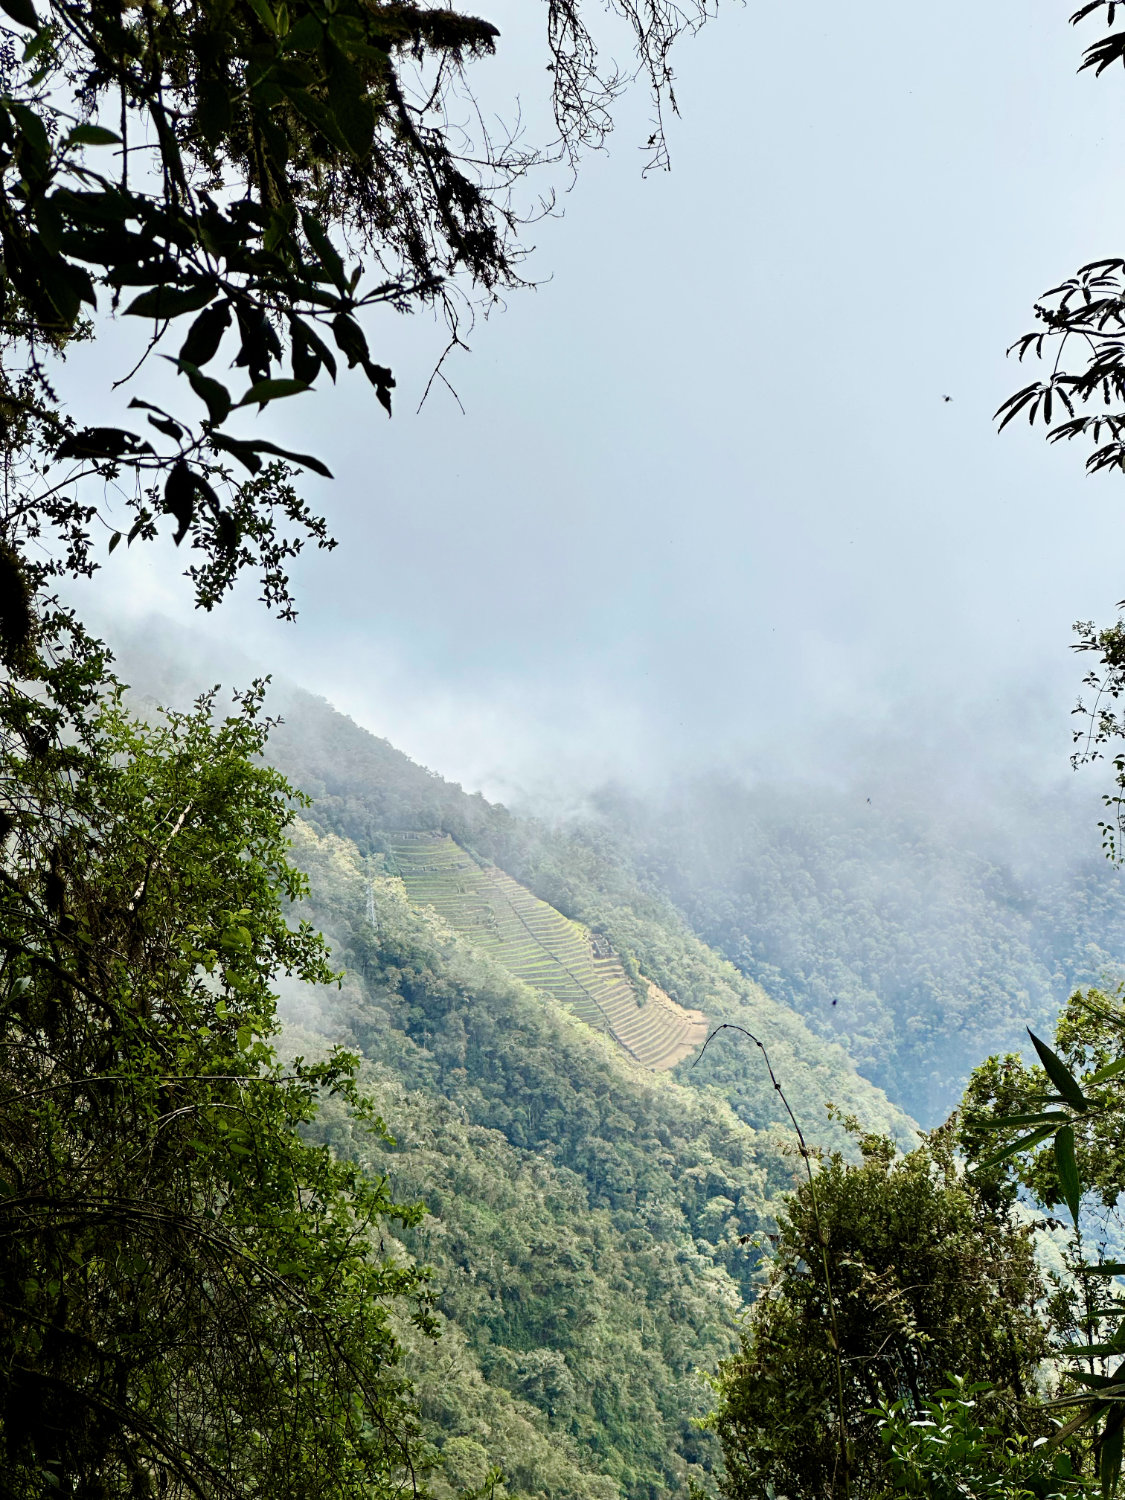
point(539, 945)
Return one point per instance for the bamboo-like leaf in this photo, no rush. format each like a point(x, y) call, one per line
point(1023, 1144)
point(1059, 1074)
point(1109, 1071)
point(1067, 1167)
point(1011, 1120)
point(1074, 1425)
point(1109, 1454)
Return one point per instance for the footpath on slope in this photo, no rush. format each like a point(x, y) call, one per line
point(539, 945)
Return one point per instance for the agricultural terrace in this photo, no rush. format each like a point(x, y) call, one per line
point(542, 947)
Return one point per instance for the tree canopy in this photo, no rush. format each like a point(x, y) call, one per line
point(191, 1297)
point(888, 1275)
point(248, 181)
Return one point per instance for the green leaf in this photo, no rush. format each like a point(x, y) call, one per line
point(90, 135)
point(1103, 1268)
point(1023, 1144)
point(161, 421)
point(318, 115)
point(263, 391)
point(1011, 1120)
point(247, 453)
point(350, 339)
point(306, 35)
point(32, 128)
point(326, 251)
point(265, 15)
point(1109, 1454)
point(212, 392)
point(179, 498)
point(244, 1037)
point(1067, 1167)
point(170, 301)
point(21, 11)
point(206, 334)
point(1109, 1071)
point(1059, 1074)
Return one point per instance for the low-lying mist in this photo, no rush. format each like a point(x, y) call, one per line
point(921, 893)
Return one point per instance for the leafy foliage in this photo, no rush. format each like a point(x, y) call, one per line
point(1079, 337)
point(926, 1275)
point(1056, 1129)
point(166, 1237)
point(246, 178)
point(948, 1451)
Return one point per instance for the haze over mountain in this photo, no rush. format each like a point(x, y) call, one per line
point(707, 502)
point(921, 921)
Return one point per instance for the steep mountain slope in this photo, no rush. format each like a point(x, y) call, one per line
point(588, 1219)
point(366, 791)
point(539, 945)
point(595, 1227)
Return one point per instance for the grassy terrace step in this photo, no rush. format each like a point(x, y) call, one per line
point(545, 949)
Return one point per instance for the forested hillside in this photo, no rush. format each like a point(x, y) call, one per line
point(595, 1228)
point(364, 789)
point(914, 930)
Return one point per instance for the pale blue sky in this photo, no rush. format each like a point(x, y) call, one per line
point(707, 502)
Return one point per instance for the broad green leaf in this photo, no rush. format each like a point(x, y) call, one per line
point(170, 301)
point(1067, 1167)
point(21, 11)
point(265, 15)
point(306, 35)
point(272, 390)
point(319, 115)
point(247, 453)
point(179, 498)
point(206, 334)
point(1059, 1074)
point(32, 128)
point(90, 135)
point(212, 392)
point(1109, 1455)
point(1109, 1071)
point(326, 251)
